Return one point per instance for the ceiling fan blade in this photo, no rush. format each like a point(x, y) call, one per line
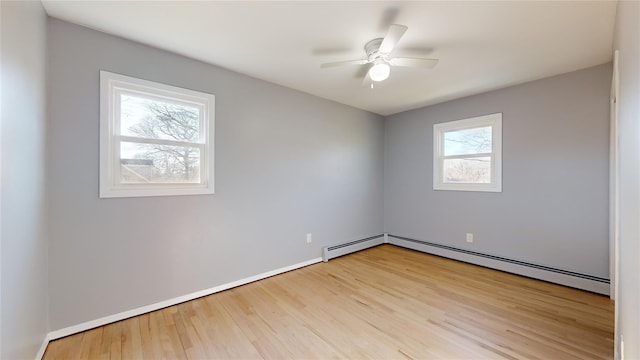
point(342, 63)
point(390, 40)
point(414, 62)
point(367, 82)
point(362, 71)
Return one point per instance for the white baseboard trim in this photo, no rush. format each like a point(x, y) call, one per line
point(331, 252)
point(43, 347)
point(555, 276)
point(60, 333)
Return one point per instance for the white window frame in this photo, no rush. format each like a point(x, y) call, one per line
point(111, 87)
point(493, 120)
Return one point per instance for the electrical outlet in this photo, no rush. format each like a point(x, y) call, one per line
point(309, 238)
point(469, 237)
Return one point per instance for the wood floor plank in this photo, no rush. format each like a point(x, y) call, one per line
point(131, 339)
point(111, 342)
point(90, 346)
point(150, 345)
point(192, 343)
point(385, 302)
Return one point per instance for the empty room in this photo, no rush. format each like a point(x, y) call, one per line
point(319, 179)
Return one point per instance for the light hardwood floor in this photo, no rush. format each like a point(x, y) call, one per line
point(382, 303)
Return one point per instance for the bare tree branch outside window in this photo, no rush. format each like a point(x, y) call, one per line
point(170, 163)
point(472, 169)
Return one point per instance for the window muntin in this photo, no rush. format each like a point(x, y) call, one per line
point(156, 139)
point(468, 154)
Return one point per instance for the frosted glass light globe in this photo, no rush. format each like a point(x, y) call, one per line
point(379, 72)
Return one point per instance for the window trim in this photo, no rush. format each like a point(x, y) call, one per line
point(493, 120)
point(113, 85)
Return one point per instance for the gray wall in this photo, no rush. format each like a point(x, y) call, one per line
point(553, 210)
point(23, 237)
point(627, 41)
point(287, 164)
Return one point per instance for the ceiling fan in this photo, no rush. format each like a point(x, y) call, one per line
point(378, 56)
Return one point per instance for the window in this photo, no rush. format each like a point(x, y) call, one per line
point(155, 139)
point(467, 154)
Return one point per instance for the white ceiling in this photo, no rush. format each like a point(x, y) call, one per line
point(481, 45)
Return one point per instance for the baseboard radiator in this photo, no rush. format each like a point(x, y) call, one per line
point(563, 277)
point(331, 252)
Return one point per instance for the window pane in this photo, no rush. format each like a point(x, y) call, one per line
point(470, 170)
point(151, 163)
point(468, 141)
point(158, 119)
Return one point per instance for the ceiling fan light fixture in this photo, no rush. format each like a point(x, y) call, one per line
point(379, 71)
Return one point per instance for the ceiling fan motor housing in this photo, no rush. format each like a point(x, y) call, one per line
point(372, 48)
